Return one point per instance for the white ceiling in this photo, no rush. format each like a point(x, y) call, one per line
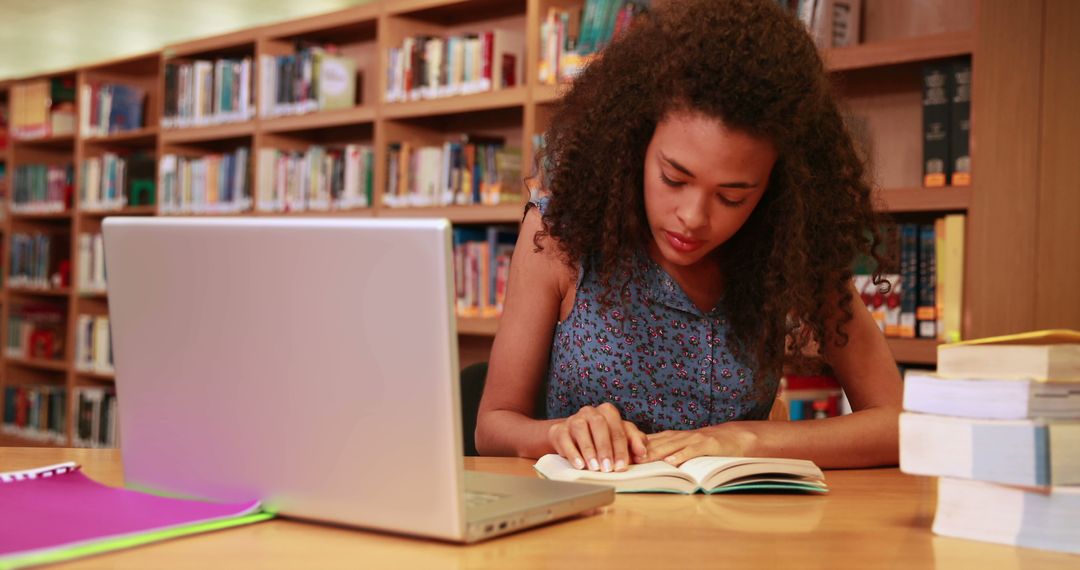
point(38, 36)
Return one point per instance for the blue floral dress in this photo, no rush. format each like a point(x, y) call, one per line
point(653, 354)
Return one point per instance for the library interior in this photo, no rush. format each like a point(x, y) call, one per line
point(129, 126)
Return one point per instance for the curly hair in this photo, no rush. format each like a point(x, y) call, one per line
point(754, 67)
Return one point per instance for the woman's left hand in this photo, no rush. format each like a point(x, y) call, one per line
point(677, 446)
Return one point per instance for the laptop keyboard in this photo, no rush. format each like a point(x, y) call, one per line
point(475, 499)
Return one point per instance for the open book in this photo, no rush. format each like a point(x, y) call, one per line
point(704, 474)
point(56, 513)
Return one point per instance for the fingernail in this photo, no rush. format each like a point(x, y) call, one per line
point(578, 463)
point(620, 465)
point(670, 459)
point(641, 458)
point(607, 465)
point(594, 465)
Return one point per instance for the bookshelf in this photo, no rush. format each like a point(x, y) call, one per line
point(878, 80)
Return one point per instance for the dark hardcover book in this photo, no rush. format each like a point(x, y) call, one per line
point(171, 94)
point(960, 124)
point(127, 108)
point(926, 313)
point(909, 271)
point(936, 80)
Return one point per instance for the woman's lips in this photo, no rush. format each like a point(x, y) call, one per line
point(682, 243)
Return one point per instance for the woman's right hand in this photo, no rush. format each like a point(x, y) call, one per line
point(599, 439)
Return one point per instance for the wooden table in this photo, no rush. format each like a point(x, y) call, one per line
point(876, 518)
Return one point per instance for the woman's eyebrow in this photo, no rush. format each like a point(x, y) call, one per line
point(686, 171)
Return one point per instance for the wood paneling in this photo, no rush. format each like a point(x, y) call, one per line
point(1057, 276)
point(1000, 274)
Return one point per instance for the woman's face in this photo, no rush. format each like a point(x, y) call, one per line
point(702, 181)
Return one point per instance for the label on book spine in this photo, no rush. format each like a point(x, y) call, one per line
point(936, 80)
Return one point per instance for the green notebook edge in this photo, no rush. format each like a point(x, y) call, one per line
point(110, 545)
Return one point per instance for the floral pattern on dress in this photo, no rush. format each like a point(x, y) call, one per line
point(655, 355)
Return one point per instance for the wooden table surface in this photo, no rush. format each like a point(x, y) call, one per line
point(878, 518)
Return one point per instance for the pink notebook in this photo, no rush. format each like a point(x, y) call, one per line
point(56, 513)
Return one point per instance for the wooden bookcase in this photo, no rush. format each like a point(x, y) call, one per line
point(879, 80)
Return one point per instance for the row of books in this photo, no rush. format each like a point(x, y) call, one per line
point(96, 418)
point(106, 108)
point(90, 262)
point(213, 183)
point(482, 268)
point(314, 78)
point(42, 188)
point(925, 297)
point(832, 23)
point(32, 263)
point(569, 37)
point(35, 412)
point(35, 331)
point(112, 181)
point(319, 179)
point(471, 170)
point(93, 344)
point(431, 67)
point(999, 424)
point(947, 123)
point(43, 108)
point(208, 92)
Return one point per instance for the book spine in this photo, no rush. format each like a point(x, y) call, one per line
point(936, 80)
point(960, 124)
point(926, 311)
point(909, 256)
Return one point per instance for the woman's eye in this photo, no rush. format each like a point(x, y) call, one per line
point(670, 182)
point(730, 203)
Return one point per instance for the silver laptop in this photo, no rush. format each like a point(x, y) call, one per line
point(309, 363)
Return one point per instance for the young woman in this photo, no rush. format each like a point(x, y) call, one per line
point(702, 203)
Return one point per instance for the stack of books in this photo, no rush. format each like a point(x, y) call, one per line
point(999, 424)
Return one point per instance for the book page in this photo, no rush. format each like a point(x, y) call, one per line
point(556, 467)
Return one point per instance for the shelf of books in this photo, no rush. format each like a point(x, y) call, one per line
point(416, 108)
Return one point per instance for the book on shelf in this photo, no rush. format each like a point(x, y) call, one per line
point(707, 475)
point(432, 67)
point(467, 170)
point(208, 92)
point(319, 179)
point(35, 412)
point(936, 78)
point(42, 188)
point(57, 513)
point(35, 331)
point(34, 262)
point(574, 37)
point(209, 184)
point(482, 268)
point(1052, 355)
point(107, 108)
point(1016, 452)
point(93, 344)
point(96, 420)
point(960, 124)
point(112, 181)
point(921, 301)
point(315, 77)
point(43, 108)
point(1047, 518)
point(947, 123)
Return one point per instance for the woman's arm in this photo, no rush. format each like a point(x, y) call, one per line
point(867, 437)
point(519, 357)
